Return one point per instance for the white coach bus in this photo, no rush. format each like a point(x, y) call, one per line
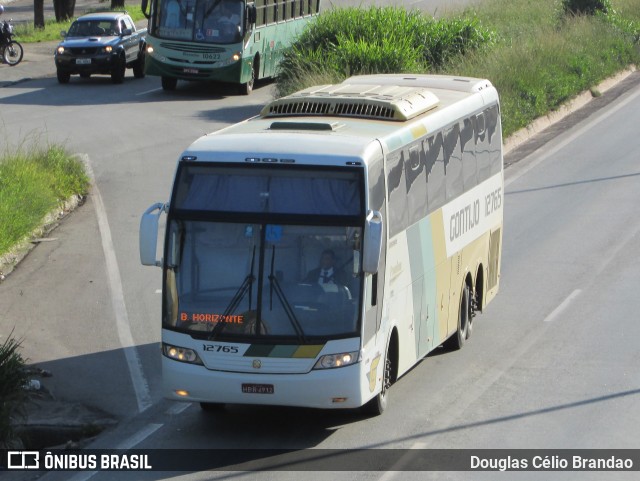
point(315, 253)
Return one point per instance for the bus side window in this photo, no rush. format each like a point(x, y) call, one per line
point(453, 162)
point(495, 138)
point(469, 168)
point(482, 148)
point(397, 194)
point(282, 10)
point(260, 12)
point(435, 171)
point(415, 174)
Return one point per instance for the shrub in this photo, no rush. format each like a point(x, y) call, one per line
point(13, 395)
point(586, 7)
point(352, 41)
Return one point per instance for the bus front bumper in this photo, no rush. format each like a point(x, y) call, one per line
point(338, 388)
point(229, 73)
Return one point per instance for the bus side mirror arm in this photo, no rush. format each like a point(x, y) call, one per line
point(143, 6)
point(372, 244)
point(149, 234)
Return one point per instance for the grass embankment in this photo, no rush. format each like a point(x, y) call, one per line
point(33, 182)
point(537, 54)
point(26, 33)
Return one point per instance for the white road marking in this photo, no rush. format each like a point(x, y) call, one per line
point(158, 291)
point(558, 310)
point(140, 436)
point(177, 408)
point(140, 385)
point(149, 91)
point(129, 443)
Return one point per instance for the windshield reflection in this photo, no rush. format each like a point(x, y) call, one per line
point(262, 280)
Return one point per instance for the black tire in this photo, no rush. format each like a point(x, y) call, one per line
point(212, 407)
point(456, 341)
point(138, 66)
point(169, 83)
point(12, 53)
point(63, 77)
point(247, 88)
point(118, 71)
point(379, 403)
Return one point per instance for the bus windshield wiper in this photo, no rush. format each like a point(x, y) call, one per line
point(245, 287)
point(275, 285)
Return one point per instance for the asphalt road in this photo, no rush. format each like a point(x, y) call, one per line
point(553, 362)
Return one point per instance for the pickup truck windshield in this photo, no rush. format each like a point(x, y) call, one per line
point(93, 28)
point(207, 21)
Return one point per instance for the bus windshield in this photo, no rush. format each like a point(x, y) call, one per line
point(242, 281)
point(207, 21)
point(264, 251)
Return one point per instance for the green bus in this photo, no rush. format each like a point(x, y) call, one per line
point(235, 41)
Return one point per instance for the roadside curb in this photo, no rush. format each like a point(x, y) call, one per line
point(523, 135)
point(10, 260)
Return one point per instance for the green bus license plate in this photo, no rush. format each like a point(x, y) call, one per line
point(257, 388)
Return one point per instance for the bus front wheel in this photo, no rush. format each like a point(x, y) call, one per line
point(169, 83)
point(379, 403)
point(247, 88)
point(211, 407)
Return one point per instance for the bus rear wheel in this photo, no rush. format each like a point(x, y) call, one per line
point(456, 341)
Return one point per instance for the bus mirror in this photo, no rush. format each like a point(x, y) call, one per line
point(372, 242)
point(143, 7)
point(149, 235)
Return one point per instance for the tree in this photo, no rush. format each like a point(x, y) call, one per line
point(64, 9)
point(38, 13)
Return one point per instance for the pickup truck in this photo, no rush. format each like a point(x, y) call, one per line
point(101, 43)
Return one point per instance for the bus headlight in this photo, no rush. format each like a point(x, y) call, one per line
point(149, 49)
point(330, 361)
point(232, 59)
point(181, 354)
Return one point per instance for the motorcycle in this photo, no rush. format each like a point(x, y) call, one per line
point(11, 51)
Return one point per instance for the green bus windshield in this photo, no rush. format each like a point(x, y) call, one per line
point(206, 21)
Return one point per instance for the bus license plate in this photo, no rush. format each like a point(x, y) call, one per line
point(191, 70)
point(83, 61)
point(257, 388)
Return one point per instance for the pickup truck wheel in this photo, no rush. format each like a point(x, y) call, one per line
point(169, 83)
point(138, 67)
point(63, 77)
point(118, 70)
